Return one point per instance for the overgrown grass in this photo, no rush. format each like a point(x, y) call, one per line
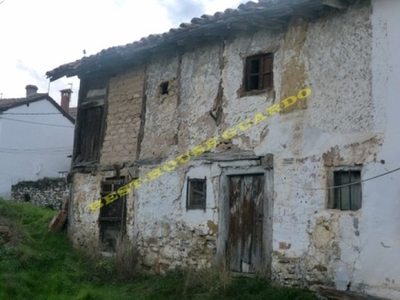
point(37, 265)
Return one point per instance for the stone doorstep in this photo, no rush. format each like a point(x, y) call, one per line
point(333, 294)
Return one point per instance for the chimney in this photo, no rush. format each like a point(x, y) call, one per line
point(65, 99)
point(31, 90)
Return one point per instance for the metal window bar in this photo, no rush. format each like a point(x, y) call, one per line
point(349, 199)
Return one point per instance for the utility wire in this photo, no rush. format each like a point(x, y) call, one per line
point(49, 151)
point(32, 114)
point(38, 152)
point(33, 154)
point(38, 123)
point(34, 149)
point(342, 185)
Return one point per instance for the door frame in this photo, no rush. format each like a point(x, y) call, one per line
point(249, 168)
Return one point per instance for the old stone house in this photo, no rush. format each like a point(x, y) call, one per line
point(262, 200)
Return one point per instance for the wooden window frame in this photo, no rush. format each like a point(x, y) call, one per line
point(334, 201)
point(260, 76)
point(93, 95)
point(94, 139)
point(189, 204)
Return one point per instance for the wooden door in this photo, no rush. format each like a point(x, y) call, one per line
point(245, 238)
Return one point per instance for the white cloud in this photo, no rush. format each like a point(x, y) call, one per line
point(39, 35)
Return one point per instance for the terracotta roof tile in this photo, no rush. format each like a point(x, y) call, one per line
point(8, 103)
point(273, 13)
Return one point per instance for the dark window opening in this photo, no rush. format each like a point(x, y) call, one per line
point(347, 192)
point(89, 136)
point(27, 197)
point(112, 216)
point(164, 88)
point(90, 117)
point(196, 194)
point(259, 72)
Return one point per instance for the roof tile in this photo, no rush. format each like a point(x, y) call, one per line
point(271, 8)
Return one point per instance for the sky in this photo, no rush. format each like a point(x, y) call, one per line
point(39, 35)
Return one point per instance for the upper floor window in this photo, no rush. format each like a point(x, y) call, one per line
point(346, 194)
point(259, 72)
point(89, 123)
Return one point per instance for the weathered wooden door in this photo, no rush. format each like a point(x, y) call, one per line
point(245, 239)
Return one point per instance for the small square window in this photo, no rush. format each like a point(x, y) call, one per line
point(259, 72)
point(196, 194)
point(347, 192)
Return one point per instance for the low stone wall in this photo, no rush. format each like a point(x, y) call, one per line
point(46, 192)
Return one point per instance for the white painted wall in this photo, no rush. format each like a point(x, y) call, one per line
point(32, 165)
point(379, 262)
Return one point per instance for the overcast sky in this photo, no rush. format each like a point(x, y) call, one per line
point(39, 35)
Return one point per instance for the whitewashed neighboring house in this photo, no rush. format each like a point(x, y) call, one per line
point(266, 200)
point(36, 139)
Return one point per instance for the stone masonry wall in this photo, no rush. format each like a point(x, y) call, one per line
point(45, 192)
point(177, 245)
point(123, 118)
point(168, 235)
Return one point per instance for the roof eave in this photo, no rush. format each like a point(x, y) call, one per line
point(274, 13)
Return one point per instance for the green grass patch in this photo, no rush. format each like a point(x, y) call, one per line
point(37, 265)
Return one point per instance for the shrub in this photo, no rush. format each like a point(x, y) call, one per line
point(121, 265)
point(126, 260)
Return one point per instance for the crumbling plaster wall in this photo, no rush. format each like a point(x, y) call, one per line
point(162, 119)
point(343, 123)
point(332, 56)
point(181, 119)
point(167, 234)
point(83, 225)
point(379, 262)
point(83, 228)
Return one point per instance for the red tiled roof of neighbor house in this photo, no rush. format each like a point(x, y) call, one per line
point(8, 103)
point(73, 111)
point(273, 14)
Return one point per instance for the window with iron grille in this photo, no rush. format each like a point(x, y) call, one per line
point(112, 216)
point(259, 72)
point(347, 194)
point(196, 194)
